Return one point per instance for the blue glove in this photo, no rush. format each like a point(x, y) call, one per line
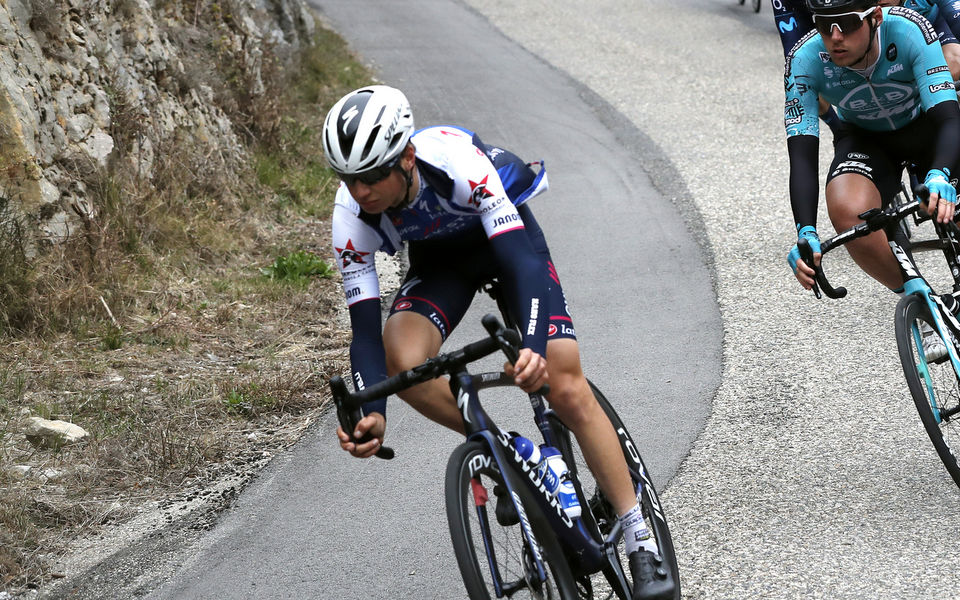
point(938, 182)
point(810, 233)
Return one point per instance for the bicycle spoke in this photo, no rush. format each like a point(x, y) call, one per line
point(494, 554)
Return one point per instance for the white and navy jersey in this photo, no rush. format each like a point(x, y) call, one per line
point(469, 193)
point(464, 184)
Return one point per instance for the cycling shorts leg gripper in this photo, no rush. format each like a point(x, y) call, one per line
point(440, 295)
point(863, 156)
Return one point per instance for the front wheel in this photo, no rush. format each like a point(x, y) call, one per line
point(495, 556)
point(933, 385)
point(601, 517)
point(756, 6)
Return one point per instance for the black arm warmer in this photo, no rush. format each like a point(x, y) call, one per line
point(367, 357)
point(946, 115)
point(804, 180)
point(525, 285)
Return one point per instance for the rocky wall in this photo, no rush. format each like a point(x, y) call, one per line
point(87, 83)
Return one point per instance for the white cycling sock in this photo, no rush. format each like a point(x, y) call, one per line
point(636, 534)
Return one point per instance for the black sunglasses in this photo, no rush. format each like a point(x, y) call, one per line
point(370, 176)
point(846, 22)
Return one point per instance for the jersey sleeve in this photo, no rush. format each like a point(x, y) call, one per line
point(801, 120)
point(950, 13)
point(354, 248)
point(930, 70)
point(800, 111)
point(793, 21)
point(479, 190)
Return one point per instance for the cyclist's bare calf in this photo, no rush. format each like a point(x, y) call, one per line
point(571, 398)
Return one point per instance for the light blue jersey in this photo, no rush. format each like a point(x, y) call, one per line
point(928, 8)
point(909, 76)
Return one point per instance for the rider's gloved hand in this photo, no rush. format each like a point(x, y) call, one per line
point(938, 182)
point(943, 197)
point(810, 233)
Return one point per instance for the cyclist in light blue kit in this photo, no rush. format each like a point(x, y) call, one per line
point(794, 20)
point(461, 206)
point(884, 71)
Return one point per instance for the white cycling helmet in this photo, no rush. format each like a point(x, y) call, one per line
point(366, 129)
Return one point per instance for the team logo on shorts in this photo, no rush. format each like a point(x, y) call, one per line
point(403, 305)
point(551, 330)
point(349, 255)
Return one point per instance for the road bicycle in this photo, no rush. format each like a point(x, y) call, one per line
point(933, 383)
point(511, 537)
point(754, 3)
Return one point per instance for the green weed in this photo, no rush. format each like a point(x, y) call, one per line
point(298, 267)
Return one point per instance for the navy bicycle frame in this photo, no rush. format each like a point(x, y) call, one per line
point(587, 551)
point(591, 555)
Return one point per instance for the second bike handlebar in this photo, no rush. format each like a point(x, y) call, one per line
point(874, 219)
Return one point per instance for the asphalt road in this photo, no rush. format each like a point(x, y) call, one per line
point(320, 524)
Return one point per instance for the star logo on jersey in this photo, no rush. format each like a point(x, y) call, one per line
point(349, 255)
point(479, 191)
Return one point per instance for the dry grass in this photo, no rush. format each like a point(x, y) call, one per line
point(155, 330)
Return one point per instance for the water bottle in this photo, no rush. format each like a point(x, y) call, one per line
point(556, 479)
point(527, 450)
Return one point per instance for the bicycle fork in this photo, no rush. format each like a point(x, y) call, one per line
point(944, 321)
point(479, 427)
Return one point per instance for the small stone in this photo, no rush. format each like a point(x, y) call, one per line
point(44, 433)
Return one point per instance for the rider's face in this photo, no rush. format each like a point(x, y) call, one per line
point(378, 197)
point(848, 48)
point(374, 198)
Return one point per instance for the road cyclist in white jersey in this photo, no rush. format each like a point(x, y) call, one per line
point(461, 207)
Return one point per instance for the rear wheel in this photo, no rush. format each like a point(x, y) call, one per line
point(601, 517)
point(493, 556)
point(933, 385)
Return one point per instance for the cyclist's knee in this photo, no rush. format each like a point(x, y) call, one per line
point(408, 340)
point(571, 398)
point(848, 196)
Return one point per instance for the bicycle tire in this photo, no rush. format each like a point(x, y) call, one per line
point(597, 509)
point(741, 2)
point(470, 464)
point(933, 385)
point(756, 5)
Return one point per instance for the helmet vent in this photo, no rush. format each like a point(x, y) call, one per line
point(396, 139)
point(371, 140)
